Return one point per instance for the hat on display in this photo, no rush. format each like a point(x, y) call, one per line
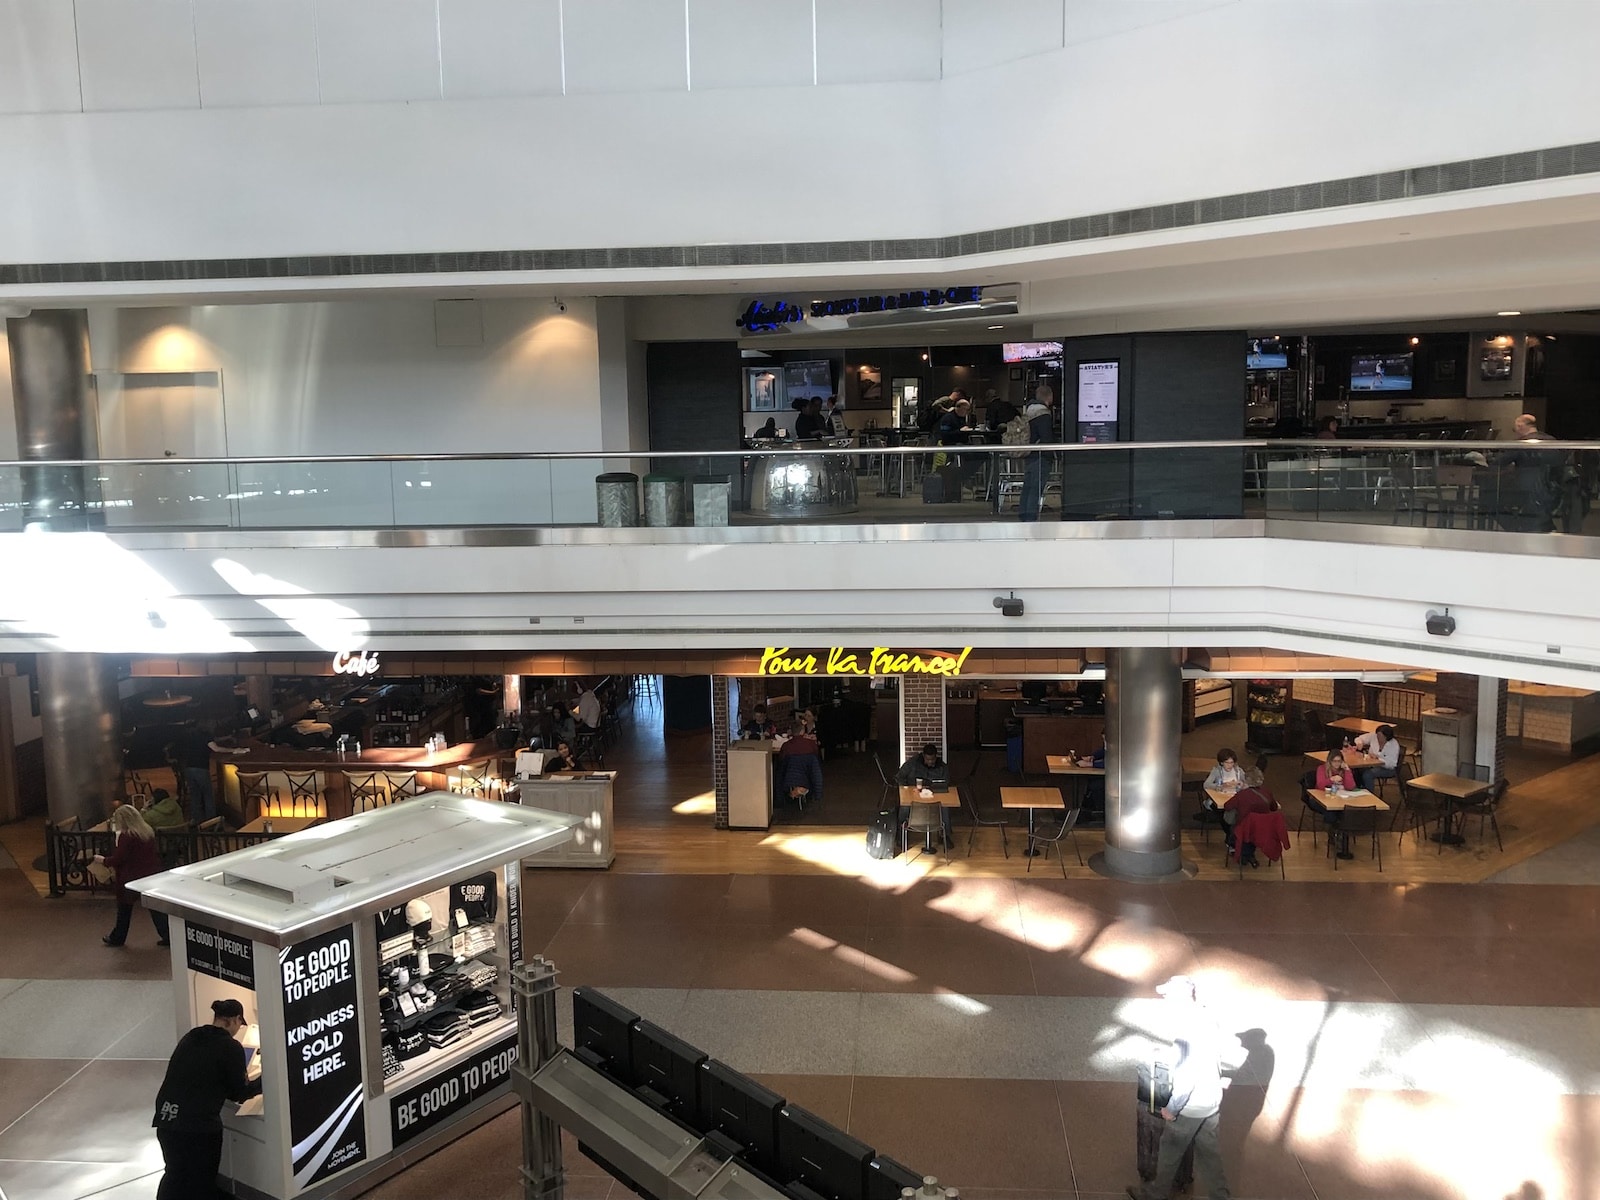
point(1179, 987)
point(418, 912)
point(410, 1043)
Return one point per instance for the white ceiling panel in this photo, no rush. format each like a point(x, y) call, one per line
point(981, 33)
point(137, 54)
point(727, 48)
point(377, 50)
point(884, 41)
point(253, 54)
point(625, 45)
point(500, 47)
point(38, 57)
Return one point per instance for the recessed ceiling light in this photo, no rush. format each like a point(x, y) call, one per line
point(997, 327)
point(1510, 312)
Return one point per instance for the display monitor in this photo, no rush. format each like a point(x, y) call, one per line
point(827, 1160)
point(1029, 351)
point(666, 1070)
point(604, 1029)
point(1380, 373)
point(1266, 354)
point(886, 1179)
point(742, 1111)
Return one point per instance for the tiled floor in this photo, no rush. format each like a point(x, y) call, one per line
point(1431, 1041)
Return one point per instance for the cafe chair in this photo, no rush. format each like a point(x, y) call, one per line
point(1068, 830)
point(972, 810)
point(1485, 810)
point(889, 787)
point(366, 790)
point(1422, 809)
point(1357, 820)
point(253, 786)
point(926, 818)
point(305, 793)
point(471, 780)
point(1309, 807)
point(403, 785)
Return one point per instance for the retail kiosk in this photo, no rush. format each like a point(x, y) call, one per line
point(373, 958)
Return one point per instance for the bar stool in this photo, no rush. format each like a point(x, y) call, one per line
point(305, 793)
point(253, 786)
point(367, 790)
point(470, 779)
point(403, 785)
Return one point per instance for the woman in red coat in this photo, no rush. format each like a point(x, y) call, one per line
point(135, 857)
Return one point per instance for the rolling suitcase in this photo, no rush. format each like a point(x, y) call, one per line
point(940, 486)
point(883, 835)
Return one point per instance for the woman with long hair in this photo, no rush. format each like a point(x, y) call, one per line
point(135, 857)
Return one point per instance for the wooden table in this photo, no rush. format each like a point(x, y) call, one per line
point(280, 824)
point(1197, 766)
point(1345, 800)
point(1453, 789)
point(1357, 725)
point(1060, 764)
point(166, 701)
point(913, 795)
point(1353, 759)
point(1221, 796)
point(1031, 798)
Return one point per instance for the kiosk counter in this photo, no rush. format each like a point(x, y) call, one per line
point(373, 959)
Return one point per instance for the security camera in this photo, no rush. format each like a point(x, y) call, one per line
point(1440, 624)
point(1009, 606)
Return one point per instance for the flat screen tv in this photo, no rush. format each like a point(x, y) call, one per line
point(1266, 354)
point(1380, 373)
point(1029, 351)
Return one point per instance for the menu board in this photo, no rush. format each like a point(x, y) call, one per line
point(322, 1036)
point(220, 955)
point(1097, 400)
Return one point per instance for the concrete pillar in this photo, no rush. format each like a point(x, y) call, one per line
point(1144, 714)
point(55, 417)
point(82, 754)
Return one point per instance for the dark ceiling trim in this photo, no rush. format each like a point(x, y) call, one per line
point(1466, 175)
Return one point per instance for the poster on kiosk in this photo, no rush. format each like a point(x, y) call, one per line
point(1097, 400)
point(373, 959)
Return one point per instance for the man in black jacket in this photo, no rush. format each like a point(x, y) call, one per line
point(207, 1068)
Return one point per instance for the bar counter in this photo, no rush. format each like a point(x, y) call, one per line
point(433, 772)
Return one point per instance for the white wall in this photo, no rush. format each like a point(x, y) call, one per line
point(230, 128)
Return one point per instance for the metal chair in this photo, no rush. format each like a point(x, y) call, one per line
point(1485, 810)
point(253, 785)
point(889, 786)
point(1422, 808)
point(1310, 807)
point(1359, 819)
point(1067, 830)
point(972, 810)
point(470, 779)
point(305, 793)
point(927, 818)
point(403, 785)
point(367, 790)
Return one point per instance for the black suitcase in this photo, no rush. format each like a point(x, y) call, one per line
point(940, 487)
point(883, 835)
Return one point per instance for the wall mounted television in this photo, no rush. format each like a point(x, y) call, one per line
point(1380, 373)
point(1266, 354)
point(1029, 351)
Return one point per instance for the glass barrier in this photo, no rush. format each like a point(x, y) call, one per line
point(1493, 486)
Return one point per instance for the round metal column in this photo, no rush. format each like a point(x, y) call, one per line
point(1144, 705)
point(82, 759)
point(55, 417)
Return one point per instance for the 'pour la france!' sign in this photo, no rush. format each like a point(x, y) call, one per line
point(840, 660)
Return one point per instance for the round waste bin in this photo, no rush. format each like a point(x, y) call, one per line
point(663, 500)
point(617, 499)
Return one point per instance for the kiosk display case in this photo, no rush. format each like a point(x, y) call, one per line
point(373, 958)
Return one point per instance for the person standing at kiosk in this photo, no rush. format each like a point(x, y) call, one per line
point(207, 1068)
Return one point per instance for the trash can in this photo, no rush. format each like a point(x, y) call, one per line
point(663, 500)
point(713, 499)
point(617, 499)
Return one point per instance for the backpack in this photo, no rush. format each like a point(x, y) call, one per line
point(1016, 433)
point(883, 835)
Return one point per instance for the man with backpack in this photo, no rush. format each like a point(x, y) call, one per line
point(1041, 426)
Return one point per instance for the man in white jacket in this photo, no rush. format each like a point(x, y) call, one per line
point(1192, 1111)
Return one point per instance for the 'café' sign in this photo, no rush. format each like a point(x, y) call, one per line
point(839, 660)
point(355, 662)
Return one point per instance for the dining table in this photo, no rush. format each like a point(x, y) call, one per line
point(279, 824)
point(1453, 790)
point(1032, 798)
point(1353, 759)
point(1355, 725)
point(1338, 801)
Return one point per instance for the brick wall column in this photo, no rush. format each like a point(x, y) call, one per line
point(721, 735)
point(1349, 697)
point(921, 714)
point(1492, 694)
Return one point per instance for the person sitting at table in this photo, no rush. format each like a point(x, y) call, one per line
point(1252, 798)
point(1256, 776)
point(562, 727)
point(800, 764)
point(759, 725)
point(1387, 750)
point(163, 811)
point(1335, 773)
point(926, 769)
point(563, 759)
point(1098, 758)
point(769, 431)
point(1227, 775)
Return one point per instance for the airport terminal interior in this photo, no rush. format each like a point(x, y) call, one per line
point(696, 600)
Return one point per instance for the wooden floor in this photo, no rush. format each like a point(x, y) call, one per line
point(664, 812)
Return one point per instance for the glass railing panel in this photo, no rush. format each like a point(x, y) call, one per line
point(473, 492)
point(313, 495)
point(163, 496)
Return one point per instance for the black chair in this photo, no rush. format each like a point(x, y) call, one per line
point(1485, 809)
point(1404, 774)
point(1358, 820)
point(1309, 807)
point(1054, 839)
point(972, 811)
point(1422, 809)
point(890, 788)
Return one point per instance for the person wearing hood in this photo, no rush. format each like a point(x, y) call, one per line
point(164, 811)
point(1041, 425)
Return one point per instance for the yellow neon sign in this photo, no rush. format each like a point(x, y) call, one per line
point(840, 660)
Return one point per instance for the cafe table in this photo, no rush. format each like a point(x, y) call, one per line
point(280, 824)
point(1353, 759)
point(949, 798)
point(1355, 725)
point(1031, 798)
point(1338, 801)
point(1453, 789)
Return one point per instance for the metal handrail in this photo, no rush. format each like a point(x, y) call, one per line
point(1298, 445)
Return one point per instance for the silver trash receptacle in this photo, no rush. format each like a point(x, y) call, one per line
point(713, 499)
point(617, 499)
point(663, 500)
